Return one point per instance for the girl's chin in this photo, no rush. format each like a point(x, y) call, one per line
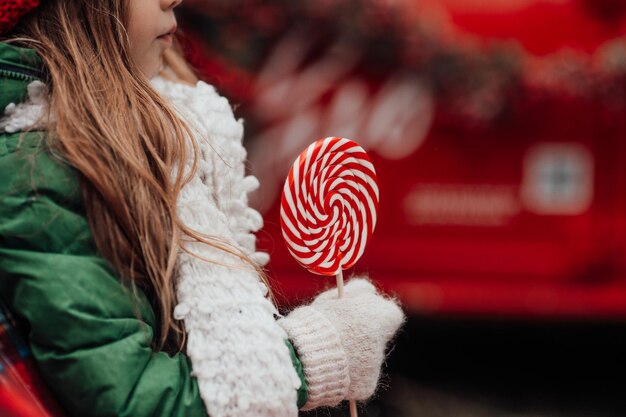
point(155, 66)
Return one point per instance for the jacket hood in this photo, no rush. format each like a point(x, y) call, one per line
point(18, 68)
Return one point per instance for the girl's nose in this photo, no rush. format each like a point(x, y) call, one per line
point(170, 4)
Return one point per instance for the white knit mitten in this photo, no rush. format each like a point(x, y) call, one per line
point(341, 342)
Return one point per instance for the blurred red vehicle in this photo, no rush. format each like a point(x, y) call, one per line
point(497, 130)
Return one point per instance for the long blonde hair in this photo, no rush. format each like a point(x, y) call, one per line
point(125, 142)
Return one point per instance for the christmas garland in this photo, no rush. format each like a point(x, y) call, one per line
point(468, 79)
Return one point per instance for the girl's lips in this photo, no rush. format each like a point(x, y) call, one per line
point(167, 38)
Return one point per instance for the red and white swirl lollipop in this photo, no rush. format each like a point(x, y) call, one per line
point(328, 209)
point(329, 205)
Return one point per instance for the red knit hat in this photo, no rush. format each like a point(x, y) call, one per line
point(11, 11)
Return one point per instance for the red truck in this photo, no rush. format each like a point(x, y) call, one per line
point(497, 131)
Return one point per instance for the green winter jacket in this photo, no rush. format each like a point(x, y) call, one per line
point(81, 322)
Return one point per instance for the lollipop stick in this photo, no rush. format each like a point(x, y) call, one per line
point(353, 412)
point(340, 283)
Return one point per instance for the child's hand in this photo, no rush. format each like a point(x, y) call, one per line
point(341, 342)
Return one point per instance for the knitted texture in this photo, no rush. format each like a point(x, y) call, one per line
point(11, 11)
point(341, 342)
point(237, 348)
point(322, 355)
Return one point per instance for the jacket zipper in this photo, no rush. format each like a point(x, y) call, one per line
point(19, 73)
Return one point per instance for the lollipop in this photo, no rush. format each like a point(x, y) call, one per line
point(329, 204)
point(328, 208)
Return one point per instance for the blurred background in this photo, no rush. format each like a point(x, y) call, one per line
point(497, 128)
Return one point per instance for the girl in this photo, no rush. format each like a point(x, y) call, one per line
point(126, 243)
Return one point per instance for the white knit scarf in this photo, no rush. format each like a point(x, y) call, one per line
point(237, 349)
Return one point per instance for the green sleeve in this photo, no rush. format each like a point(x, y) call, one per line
point(303, 391)
point(89, 335)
